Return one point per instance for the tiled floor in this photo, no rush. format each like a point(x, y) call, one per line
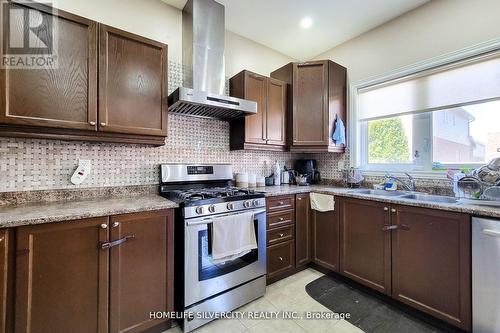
point(286, 295)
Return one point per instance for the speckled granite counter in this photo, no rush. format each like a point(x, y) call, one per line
point(46, 212)
point(344, 192)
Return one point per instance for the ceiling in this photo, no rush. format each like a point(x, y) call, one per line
point(276, 23)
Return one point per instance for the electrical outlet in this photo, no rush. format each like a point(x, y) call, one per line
point(81, 172)
point(340, 165)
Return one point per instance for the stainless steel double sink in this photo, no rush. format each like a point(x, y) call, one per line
point(416, 196)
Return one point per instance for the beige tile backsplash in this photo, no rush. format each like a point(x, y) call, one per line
point(32, 164)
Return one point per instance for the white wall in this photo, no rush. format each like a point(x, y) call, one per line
point(149, 18)
point(242, 53)
point(157, 20)
point(436, 28)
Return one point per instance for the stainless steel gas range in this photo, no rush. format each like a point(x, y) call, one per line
point(202, 286)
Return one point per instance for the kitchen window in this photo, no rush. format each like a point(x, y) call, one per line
point(440, 118)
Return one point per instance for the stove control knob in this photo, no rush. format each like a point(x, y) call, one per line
point(211, 209)
point(256, 203)
point(247, 204)
point(230, 206)
point(199, 210)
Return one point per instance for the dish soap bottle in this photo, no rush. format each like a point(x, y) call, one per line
point(277, 174)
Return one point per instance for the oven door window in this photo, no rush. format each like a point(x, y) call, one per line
point(207, 269)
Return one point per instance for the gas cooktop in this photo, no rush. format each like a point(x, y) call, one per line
point(197, 185)
point(209, 195)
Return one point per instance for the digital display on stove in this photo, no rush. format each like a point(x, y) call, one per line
point(200, 170)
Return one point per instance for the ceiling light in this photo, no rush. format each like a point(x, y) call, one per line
point(306, 22)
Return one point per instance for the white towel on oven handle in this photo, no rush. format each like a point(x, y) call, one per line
point(233, 236)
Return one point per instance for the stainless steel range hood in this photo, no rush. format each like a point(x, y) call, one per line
point(203, 38)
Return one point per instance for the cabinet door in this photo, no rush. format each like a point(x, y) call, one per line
point(310, 103)
point(62, 277)
point(280, 260)
point(303, 230)
point(141, 270)
point(132, 83)
point(325, 242)
point(4, 241)
point(64, 96)
point(431, 263)
point(255, 125)
point(365, 253)
point(276, 112)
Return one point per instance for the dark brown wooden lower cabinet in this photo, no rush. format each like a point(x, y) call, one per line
point(325, 239)
point(62, 277)
point(141, 271)
point(431, 263)
point(302, 230)
point(67, 282)
point(280, 259)
point(4, 241)
point(365, 253)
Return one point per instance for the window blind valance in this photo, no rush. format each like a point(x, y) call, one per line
point(459, 84)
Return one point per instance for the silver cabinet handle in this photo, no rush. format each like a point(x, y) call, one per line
point(2, 238)
point(299, 199)
point(393, 210)
point(115, 224)
point(281, 219)
point(403, 227)
point(280, 258)
point(104, 226)
point(103, 124)
point(108, 245)
point(281, 235)
point(92, 123)
point(390, 227)
point(386, 208)
point(492, 233)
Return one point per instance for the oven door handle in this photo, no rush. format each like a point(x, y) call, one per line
point(204, 220)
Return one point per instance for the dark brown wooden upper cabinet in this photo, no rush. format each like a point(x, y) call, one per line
point(276, 112)
point(141, 271)
point(63, 101)
point(4, 240)
point(365, 250)
point(303, 244)
point(431, 262)
point(62, 277)
point(132, 83)
point(266, 129)
point(64, 96)
point(317, 97)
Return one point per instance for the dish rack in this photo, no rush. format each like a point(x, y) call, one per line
point(471, 190)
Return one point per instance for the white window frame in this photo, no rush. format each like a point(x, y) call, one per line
point(358, 137)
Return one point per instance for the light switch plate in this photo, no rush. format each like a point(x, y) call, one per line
point(340, 165)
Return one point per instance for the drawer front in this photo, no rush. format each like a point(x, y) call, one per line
point(280, 234)
point(280, 219)
point(280, 203)
point(280, 258)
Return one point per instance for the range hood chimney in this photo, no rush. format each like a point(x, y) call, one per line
point(203, 38)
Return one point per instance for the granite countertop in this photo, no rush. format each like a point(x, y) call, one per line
point(344, 192)
point(46, 212)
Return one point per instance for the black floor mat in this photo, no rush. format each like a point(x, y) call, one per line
point(369, 313)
